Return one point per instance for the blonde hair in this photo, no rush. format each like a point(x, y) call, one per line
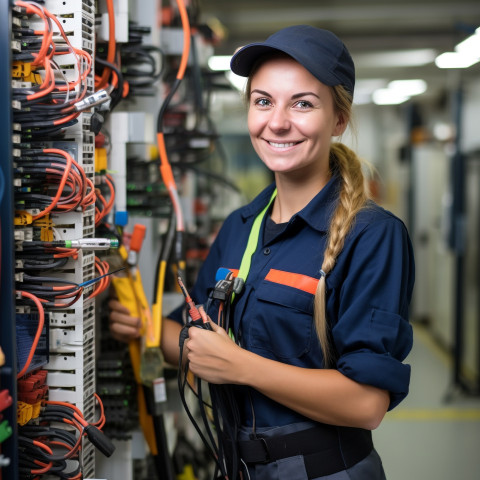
point(353, 197)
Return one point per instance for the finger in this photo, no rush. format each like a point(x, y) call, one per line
point(124, 332)
point(114, 304)
point(125, 319)
point(203, 314)
point(215, 327)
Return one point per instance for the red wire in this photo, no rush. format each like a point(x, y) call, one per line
point(62, 182)
point(41, 321)
point(46, 52)
point(47, 467)
point(107, 205)
point(111, 45)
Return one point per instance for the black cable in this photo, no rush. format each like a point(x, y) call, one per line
point(182, 382)
point(165, 104)
point(226, 416)
point(37, 264)
point(117, 96)
point(50, 131)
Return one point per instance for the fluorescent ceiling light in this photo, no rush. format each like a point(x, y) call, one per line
point(466, 53)
point(455, 60)
point(470, 46)
point(219, 63)
point(399, 58)
point(388, 96)
point(399, 91)
point(364, 89)
point(408, 87)
point(369, 85)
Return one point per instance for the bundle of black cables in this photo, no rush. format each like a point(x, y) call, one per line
point(221, 413)
point(36, 453)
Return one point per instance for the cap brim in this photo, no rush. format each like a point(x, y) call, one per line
point(244, 59)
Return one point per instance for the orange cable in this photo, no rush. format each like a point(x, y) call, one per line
point(41, 322)
point(111, 45)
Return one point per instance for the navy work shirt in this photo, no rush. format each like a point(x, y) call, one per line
point(368, 296)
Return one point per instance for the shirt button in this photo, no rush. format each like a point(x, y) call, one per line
point(266, 251)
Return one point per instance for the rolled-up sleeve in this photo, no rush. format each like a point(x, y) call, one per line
point(372, 333)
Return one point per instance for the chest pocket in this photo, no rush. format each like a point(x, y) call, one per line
point(281, 322)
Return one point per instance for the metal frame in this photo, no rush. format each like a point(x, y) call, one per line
point(8, 373)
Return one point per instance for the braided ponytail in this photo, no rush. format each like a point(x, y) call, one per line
point(353, 197)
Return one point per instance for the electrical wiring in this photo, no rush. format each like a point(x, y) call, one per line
point(165, 167)
point(50, 296)
point(77, 187)
point(108, 205)
point(70, 414)
point(220, 416)
point(101, 420)
point(102, 267)
point(61, 184)
point(41, 322)
point(118, 84)
point(37, 442)
point(54, 97)
point(34, 264)
point(45, 253)
point(41, 177)
point(141, 68)
point(49, 131)
point(53, 174)
point(111, 51)
point(49, 48)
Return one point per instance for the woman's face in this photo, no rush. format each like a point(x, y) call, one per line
point(291, 118)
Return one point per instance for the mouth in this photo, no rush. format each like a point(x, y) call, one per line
point(283, 144)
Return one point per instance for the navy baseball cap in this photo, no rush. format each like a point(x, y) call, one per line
point(320, 51)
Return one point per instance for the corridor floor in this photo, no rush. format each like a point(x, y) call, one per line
point(427, 437)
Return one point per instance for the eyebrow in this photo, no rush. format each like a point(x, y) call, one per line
point(294, 97)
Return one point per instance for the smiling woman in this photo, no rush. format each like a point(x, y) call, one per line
point(291, 120)
point(322, 278)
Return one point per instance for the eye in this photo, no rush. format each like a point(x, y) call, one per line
point(262, 102)
point(303, 104)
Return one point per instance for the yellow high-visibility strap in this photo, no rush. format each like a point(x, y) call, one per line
point(252, 243)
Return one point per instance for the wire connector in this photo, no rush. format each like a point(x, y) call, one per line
point(97, 98)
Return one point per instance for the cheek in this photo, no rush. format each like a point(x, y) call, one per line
point(316, 130)
point(252, 124)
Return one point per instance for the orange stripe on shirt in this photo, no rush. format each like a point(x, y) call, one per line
point(234, 271)
point(295, 280)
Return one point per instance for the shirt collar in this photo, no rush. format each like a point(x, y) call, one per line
point(317, 213)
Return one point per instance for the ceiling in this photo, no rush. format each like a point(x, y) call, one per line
point(370, 29)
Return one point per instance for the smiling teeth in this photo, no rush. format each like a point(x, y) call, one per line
point(281, 145)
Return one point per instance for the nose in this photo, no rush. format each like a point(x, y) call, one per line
point(279, 119)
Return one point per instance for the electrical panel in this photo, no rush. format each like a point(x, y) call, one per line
point(101, 98)
point(52, 167)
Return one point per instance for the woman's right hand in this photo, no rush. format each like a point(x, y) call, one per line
point(123, 326)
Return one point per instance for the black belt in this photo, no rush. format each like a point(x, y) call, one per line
point(326, 449)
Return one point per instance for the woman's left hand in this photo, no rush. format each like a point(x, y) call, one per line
point(213, 355)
